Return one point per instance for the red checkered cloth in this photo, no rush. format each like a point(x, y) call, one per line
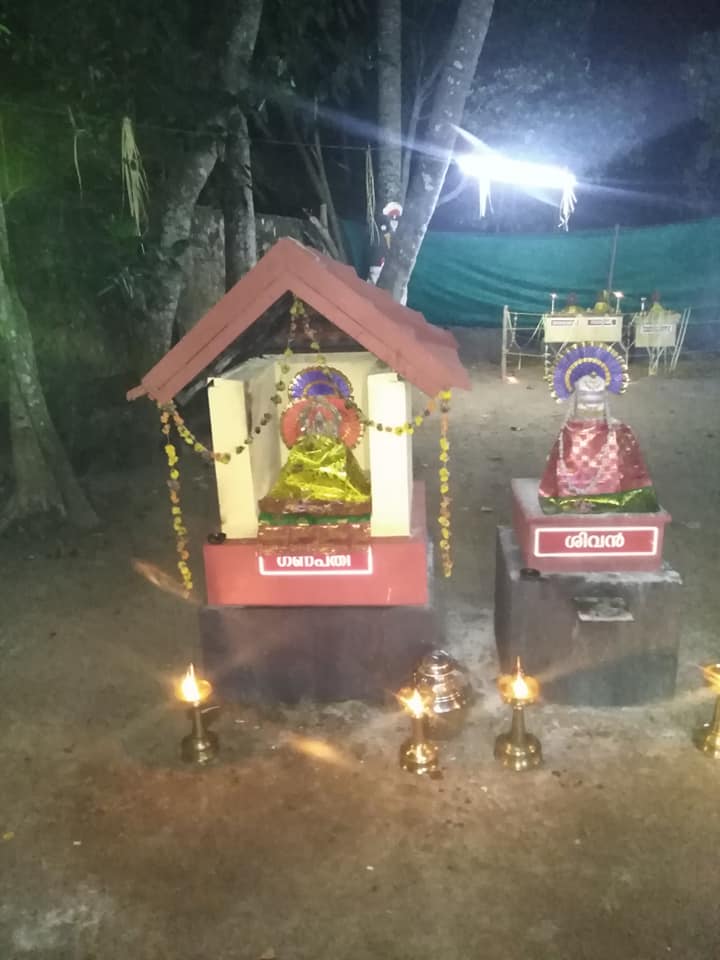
point(594, 457)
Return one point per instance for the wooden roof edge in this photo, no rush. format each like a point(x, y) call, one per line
point(381, 299)
point(288, 256)
point(398, 356)
point(203, 358)
point(136, 392)
point(438, 348)
point(153, 382)
point(438, 368)
point(215, 320)
point(462, 381)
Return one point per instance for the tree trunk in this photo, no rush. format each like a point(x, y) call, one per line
point(428, 176)
point(389, 38)
point(238, 203)
point(35, 490)
point(153, 337)
point(424, 85)
point(239, 206)
point(44, 478)
point(410, 135)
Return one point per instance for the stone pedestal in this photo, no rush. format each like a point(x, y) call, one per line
point(325, 654)
point(389, 571)
point(592, 639)
point(591, 542)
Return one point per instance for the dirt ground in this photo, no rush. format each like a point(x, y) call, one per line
point(306, 840)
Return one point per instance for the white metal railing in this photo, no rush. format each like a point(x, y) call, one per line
point(523, 337)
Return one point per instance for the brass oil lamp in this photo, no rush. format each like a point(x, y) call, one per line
point(707, 736)
point(517, 749)
point(417, 753)
point(201, 745)
point(446, 686)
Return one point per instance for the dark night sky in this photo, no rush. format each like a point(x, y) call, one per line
point(655, 34)
point(652, 35)
point(649, 29)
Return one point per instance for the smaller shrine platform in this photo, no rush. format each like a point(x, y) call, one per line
point(592, 542)
point(592, 639)
point(389, 571)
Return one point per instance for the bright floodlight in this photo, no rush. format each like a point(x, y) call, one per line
point(487, 167)
point(498, 169)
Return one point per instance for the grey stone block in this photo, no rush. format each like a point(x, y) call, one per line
point(592, 639)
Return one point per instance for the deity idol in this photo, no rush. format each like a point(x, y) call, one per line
point(321, 486)
point(595, 465)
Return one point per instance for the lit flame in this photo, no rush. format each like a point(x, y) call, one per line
point(190, 689)
point(519, 687)
point(414, 704)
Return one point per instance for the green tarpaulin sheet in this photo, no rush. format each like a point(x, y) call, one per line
point(464, 279)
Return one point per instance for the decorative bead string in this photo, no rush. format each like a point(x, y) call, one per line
point(408, 427)
point(444, 475)
point(298, 312)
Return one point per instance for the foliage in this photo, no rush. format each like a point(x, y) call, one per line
point(543, 94)
point(313, 53)
point(568, 113)
point(313, 63)
point(134, 178)
point(107, 59)
point(701, 76)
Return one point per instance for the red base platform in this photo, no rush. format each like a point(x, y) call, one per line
point(392, 571)
point(572, 542)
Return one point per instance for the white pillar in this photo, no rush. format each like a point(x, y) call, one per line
point(391, 471)
point(235, 488)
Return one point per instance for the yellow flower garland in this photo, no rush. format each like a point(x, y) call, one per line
point(175, 508)
point(444, 475)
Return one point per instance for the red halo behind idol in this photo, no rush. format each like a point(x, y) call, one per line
point(350, 428)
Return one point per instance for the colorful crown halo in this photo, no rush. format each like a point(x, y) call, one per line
point(319, 382)
point(582, 359)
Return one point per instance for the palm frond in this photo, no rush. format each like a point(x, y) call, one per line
point(135, 184)
point(370, 198)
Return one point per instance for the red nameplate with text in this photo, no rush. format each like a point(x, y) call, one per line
point(354, 562)
point(577, 541)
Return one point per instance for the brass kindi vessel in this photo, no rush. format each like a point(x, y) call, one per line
point(445, 684)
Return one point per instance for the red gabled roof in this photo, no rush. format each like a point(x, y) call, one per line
point(424, 355)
